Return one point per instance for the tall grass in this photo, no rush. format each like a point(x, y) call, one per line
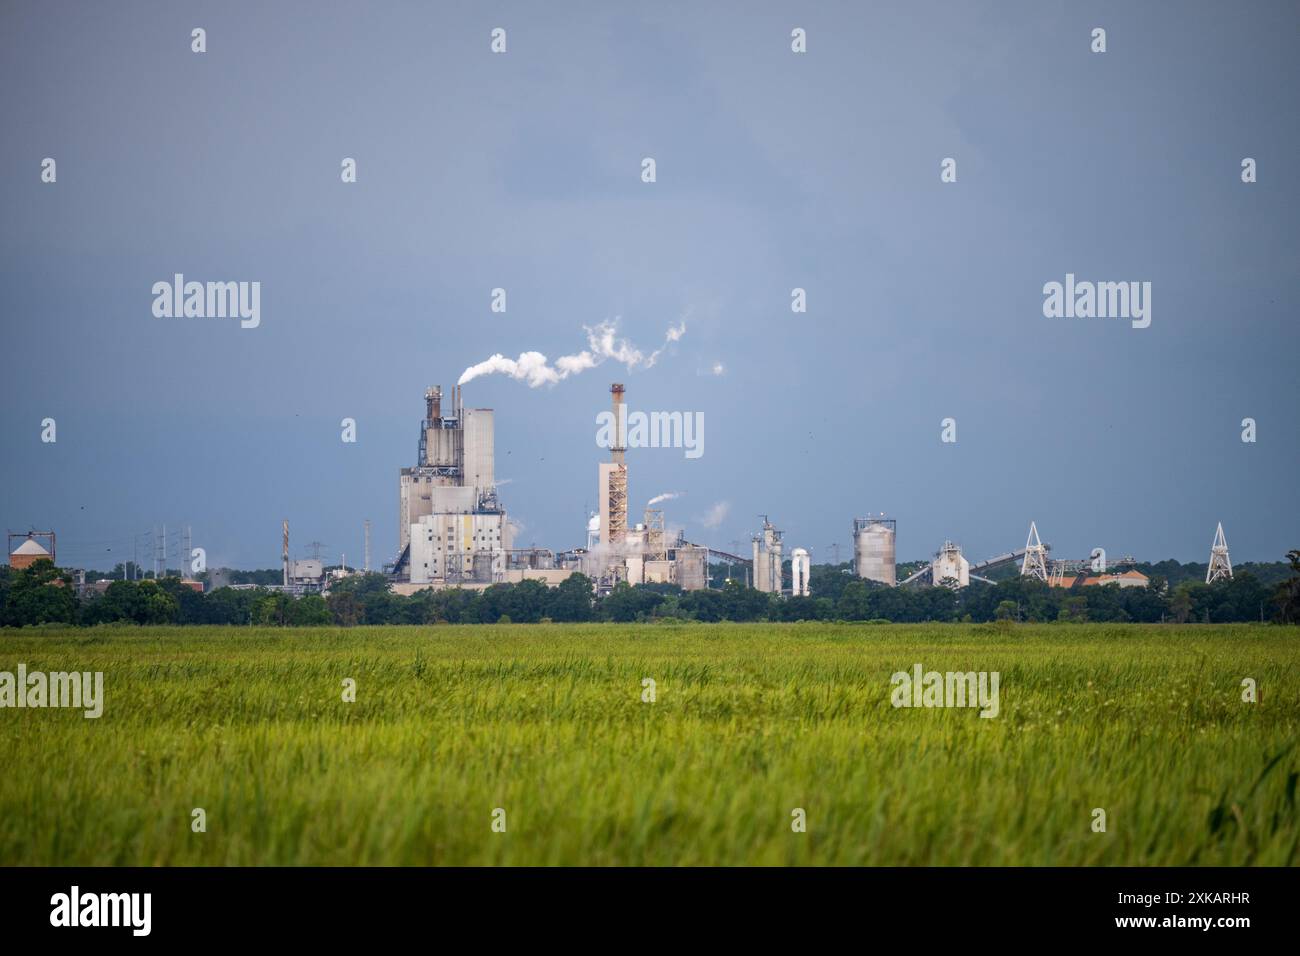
point(750, 722)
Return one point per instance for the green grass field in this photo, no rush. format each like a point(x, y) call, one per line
point(750, 722)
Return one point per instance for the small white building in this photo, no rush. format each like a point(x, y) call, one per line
point(950, 566)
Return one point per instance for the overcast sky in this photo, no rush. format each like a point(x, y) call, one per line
point(775, 170)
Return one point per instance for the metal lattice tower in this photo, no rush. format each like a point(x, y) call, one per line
point(1220, 568)
point(655, 547)
point(1035, 563)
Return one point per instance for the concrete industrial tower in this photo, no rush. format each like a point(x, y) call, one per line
point(613, 479)
point(1220, 568)
point(451, 527)
point(767, 558)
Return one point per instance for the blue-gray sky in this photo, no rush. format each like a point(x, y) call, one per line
point(775, 170)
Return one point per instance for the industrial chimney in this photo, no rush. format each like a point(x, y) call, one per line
point(613, 490)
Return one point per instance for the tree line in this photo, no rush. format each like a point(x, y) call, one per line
point(43, 594)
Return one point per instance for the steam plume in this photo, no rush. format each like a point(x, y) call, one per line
point(603, 343)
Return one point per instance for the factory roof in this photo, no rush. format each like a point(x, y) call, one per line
point(1136, 577)
point(30, 546)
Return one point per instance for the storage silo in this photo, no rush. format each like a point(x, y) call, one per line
point(873, 549)
point(691, 565)
point(768, 564)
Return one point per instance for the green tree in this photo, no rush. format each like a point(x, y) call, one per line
point(743, 603)
point(310, 610)
point(1074, 609)
point(572, 600)
point(854, 603)
point(344, 608)
point(626, 603)
point(40, 594)
point(1287, 596)
point(1180, 605)
point(139, 602)
point(273, 610)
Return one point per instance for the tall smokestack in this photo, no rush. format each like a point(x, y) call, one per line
point(620, 423)
point(618, 474)
point(285, 557)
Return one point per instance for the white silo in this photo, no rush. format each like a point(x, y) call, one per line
point(767, 558)
point(800, 567)
point(873, 548)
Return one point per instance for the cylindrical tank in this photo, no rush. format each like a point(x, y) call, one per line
point(873, 549)
point(692, 566)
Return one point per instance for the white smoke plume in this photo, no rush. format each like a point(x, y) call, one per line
point(717, 514)
point(530, 367)
point(603, 343)
point(666, 496)
point(674, 333)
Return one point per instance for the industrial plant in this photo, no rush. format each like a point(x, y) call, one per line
point(453, 528)
point(454, 531)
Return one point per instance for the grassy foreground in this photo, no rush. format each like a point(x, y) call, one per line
point(750, 722)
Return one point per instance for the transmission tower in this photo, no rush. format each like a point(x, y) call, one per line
point(1035, 563)
point(1220, 568)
